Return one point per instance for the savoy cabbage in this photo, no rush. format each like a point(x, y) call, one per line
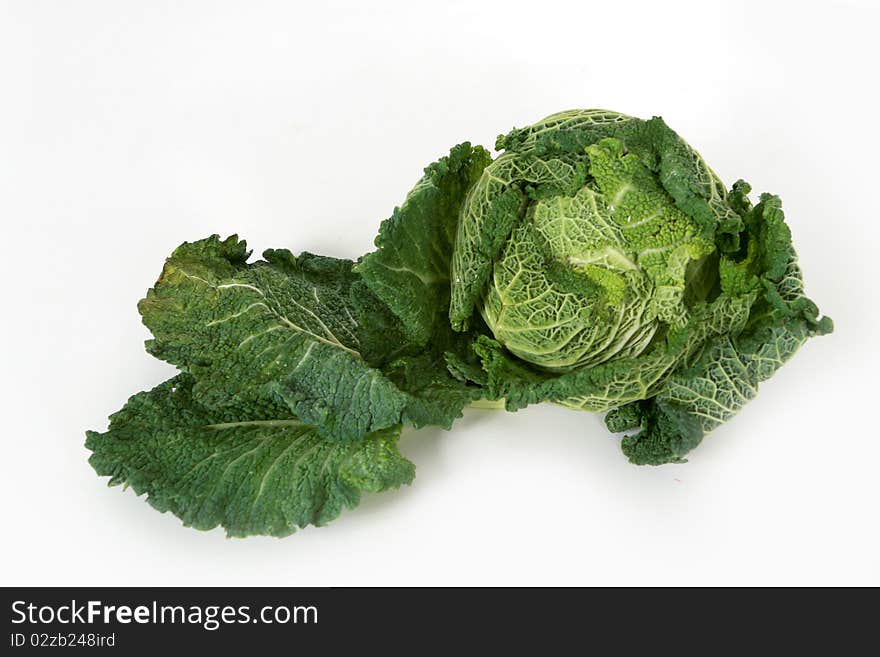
point(597, 263)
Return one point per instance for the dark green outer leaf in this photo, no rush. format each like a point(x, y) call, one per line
point(252, 467)
point(283, 327)
point(410, 268)
point(696, 399)
point(409, 271)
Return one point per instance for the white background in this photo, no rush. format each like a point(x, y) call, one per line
point(128, 127)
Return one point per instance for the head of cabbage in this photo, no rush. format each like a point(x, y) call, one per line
point(604, 266)
point(596, 262)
